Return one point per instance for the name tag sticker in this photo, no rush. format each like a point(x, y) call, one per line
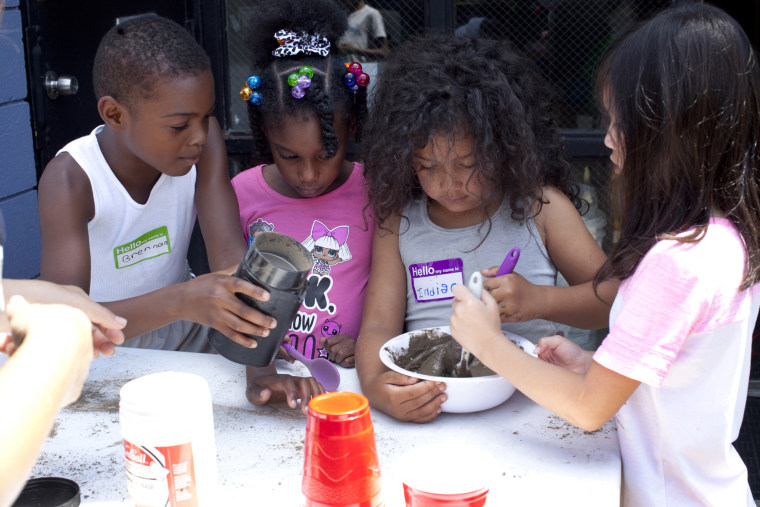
point(432, 281)
point(149, 245)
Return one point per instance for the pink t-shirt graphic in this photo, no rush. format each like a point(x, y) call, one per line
point(328, 247)
point(333, 228)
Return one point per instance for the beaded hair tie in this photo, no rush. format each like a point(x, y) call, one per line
point(248, 94)
point(292, 43)
point(355, 77)
point(301, 80)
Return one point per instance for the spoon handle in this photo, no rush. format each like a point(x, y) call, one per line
point(293, 352)
point(509, 262)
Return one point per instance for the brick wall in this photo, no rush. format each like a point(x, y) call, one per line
point(18, 179)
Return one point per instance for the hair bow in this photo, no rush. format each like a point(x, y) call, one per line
point(320, 230)
point(292, 43)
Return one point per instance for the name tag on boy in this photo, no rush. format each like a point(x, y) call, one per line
point(432, 281)
point(151, 244)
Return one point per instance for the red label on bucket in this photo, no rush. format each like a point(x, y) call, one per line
point(160, 476)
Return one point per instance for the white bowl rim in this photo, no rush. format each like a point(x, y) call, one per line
point(387, 360)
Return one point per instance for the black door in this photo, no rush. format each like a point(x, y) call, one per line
point(61, 39)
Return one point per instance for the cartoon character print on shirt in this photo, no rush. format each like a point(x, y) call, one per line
point(329, 328)
point(328, 247)
point(307, 345)
point(256, 227)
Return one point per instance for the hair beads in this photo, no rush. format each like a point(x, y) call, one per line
point(355, 78)
point(300, 81)
point(247, 92)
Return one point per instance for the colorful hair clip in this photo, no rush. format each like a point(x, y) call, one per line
point(300, 81)
point(248, 94)
point(355, 78)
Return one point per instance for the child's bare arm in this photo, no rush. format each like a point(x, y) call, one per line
point(66, 206)
point(208, 299)
point(45, 373)
point(218, 212)
point(106, 327)
point(577, 256)
point(586, 400)
point(398, 395)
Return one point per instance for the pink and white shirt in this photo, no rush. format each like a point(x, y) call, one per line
point(680, 327)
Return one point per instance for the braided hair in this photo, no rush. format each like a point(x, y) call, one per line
point(325, 97)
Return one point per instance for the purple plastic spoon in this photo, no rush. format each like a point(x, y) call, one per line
point(321, 369)
point(509, 262)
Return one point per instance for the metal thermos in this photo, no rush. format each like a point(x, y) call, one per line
point(279, 264)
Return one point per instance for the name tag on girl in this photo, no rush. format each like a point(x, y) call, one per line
point(432, 281)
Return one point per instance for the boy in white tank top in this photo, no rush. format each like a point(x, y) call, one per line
point(117, 207)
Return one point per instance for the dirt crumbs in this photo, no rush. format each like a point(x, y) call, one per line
point(102, 396)
point(566, 430)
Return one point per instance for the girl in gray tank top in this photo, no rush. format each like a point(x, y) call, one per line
point(423, 243)
point(463, 164)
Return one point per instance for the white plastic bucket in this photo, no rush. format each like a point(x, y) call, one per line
point(168, 430)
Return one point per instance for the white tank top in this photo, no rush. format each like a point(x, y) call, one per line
point(134, 248)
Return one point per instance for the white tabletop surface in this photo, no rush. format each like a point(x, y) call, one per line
point(540, 459)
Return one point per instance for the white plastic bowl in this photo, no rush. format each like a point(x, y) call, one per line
point(465, 394)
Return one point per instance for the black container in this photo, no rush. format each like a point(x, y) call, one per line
point(49, 492)
point(279, 264)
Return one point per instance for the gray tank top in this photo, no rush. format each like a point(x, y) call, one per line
point(435, 258)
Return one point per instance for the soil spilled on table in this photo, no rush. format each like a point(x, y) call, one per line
point(436, 353)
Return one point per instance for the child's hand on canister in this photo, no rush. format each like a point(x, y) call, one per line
point(211, 300)
point(517, 299)
point(266, 386)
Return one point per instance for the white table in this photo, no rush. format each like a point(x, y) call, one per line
point(542, 459)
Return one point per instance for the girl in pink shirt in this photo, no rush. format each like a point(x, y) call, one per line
point(682, 93)
point(305, 106)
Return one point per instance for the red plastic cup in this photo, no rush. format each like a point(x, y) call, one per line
point(340, 465)
point(447, 473)
point(419, 498)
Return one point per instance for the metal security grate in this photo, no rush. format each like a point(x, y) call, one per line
point(238, 14)
point(565, 39)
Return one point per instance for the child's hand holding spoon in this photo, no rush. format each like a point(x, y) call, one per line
point(476, 287)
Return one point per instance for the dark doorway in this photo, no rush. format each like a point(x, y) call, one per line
point(61, 40)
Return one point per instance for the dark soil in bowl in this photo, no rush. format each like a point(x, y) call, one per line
point(436, 353)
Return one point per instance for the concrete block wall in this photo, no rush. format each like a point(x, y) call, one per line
point(18, 176)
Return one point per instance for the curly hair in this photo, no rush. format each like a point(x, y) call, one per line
point(134, 55)
point(684, 92)
point(327, 95)
point(482, 88)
